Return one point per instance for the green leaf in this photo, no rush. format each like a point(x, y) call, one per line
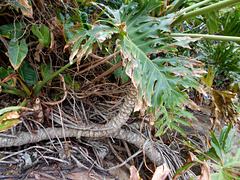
point(226, 145)
point(72, 84)
point(17, 52)
point(4, 73)
point(84, 18)
point(185, 167)
point(212, 154)
point(216, 145)
point(45, 70)
point(12, 31)
point(42, 33)
point(231, 22)
point(212, 22)
point(13, 108)
point(67, 25)
point(8, 124)
point(175, 126)
point(160, 130)
point(28, 74)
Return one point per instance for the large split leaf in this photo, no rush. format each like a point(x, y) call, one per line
point(97, 34)
point(160, 81)
point(17, 52)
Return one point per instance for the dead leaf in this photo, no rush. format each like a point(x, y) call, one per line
point(73, 54)
point(224, 107)
point(38, 52)
point(205, 172)
point(37, 107)
point(29, 11)
point(82, 53)
point(202, 90)
point(52, 41)
point(134, 175)
point(192, 105)
point(193, 157)
point(10, 115)
point(161, 172)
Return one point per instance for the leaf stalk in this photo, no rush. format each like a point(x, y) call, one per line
point(38, 87)
point(207, 36)
point(204, 10)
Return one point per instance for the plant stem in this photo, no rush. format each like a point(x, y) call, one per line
point(204, 10)
point(206, 36)
point(194, 6)
point(38, 87)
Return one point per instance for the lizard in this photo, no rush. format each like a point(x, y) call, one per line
point(95, 131)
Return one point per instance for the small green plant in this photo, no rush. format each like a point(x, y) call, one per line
point(220, 157)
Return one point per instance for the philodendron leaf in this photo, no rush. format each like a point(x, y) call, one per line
point(17, 52)
point(43, 34)
point(160, 81)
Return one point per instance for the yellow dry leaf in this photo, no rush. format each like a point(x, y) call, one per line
point(161, 172)
point(29, 11)
point(134, 175)
point(205, 173)
point(11, 115)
